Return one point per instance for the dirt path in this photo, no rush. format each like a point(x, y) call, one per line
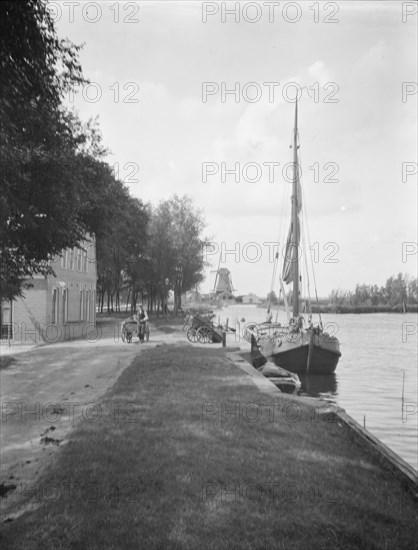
point(45, 392)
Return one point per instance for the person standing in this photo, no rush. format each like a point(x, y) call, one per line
point(142, 322)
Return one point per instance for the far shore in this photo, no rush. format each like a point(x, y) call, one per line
point(410, 308)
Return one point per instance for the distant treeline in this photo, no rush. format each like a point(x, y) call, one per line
point(398, 295)
point(409, 308)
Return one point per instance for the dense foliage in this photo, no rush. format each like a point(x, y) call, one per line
point(150, 252)
point(56, 188)
point(397, 293)
point(43, 177)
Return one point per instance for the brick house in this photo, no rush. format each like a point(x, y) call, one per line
point(56, 308)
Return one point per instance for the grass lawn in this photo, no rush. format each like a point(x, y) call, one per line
point(185, 452)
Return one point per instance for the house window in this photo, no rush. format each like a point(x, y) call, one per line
point(72, 258)
point(78, 252)
point(85, 261)
point(81, 305)
point(88, 305)
point(55, 304)
point(93, 299)
point(65, 305)
point(6, 319)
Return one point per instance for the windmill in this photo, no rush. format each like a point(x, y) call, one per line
point(223, 288)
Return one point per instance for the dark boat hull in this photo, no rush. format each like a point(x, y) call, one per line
point(322, 362)
point(308, 353)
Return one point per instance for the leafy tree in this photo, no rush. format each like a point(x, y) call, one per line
point(395, 290)
point(187, 226)
point(132, 231)
point(161, 254)
point(339, 297)
point(361, 295)
point(272, 298)
point(120, 246)
point(375, 295)
point(412, 291)
point(47, 200)
point(175, 249)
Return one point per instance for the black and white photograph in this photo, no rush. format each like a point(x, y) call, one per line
point(208, 274)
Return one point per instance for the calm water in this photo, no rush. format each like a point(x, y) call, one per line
point(369, 376)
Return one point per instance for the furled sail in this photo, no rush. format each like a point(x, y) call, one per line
point(291, 254)
point(293, 237)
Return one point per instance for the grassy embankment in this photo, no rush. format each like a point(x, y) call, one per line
point(187, 453)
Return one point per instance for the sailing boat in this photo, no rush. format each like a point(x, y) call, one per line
point(298, 346)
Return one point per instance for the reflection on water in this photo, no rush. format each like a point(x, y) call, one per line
point(319, 385)
point(378, 350)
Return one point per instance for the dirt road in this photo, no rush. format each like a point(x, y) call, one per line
point(45, 392)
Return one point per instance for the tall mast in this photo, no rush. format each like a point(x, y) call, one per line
point(295, 216)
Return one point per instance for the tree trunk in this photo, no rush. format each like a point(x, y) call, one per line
point(151, 298)
point(127, 299)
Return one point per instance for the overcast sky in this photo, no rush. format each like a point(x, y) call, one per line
point(159, 70)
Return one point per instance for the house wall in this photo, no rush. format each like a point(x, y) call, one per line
point(60, 307)
point(29, 313)
point(250, 299)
